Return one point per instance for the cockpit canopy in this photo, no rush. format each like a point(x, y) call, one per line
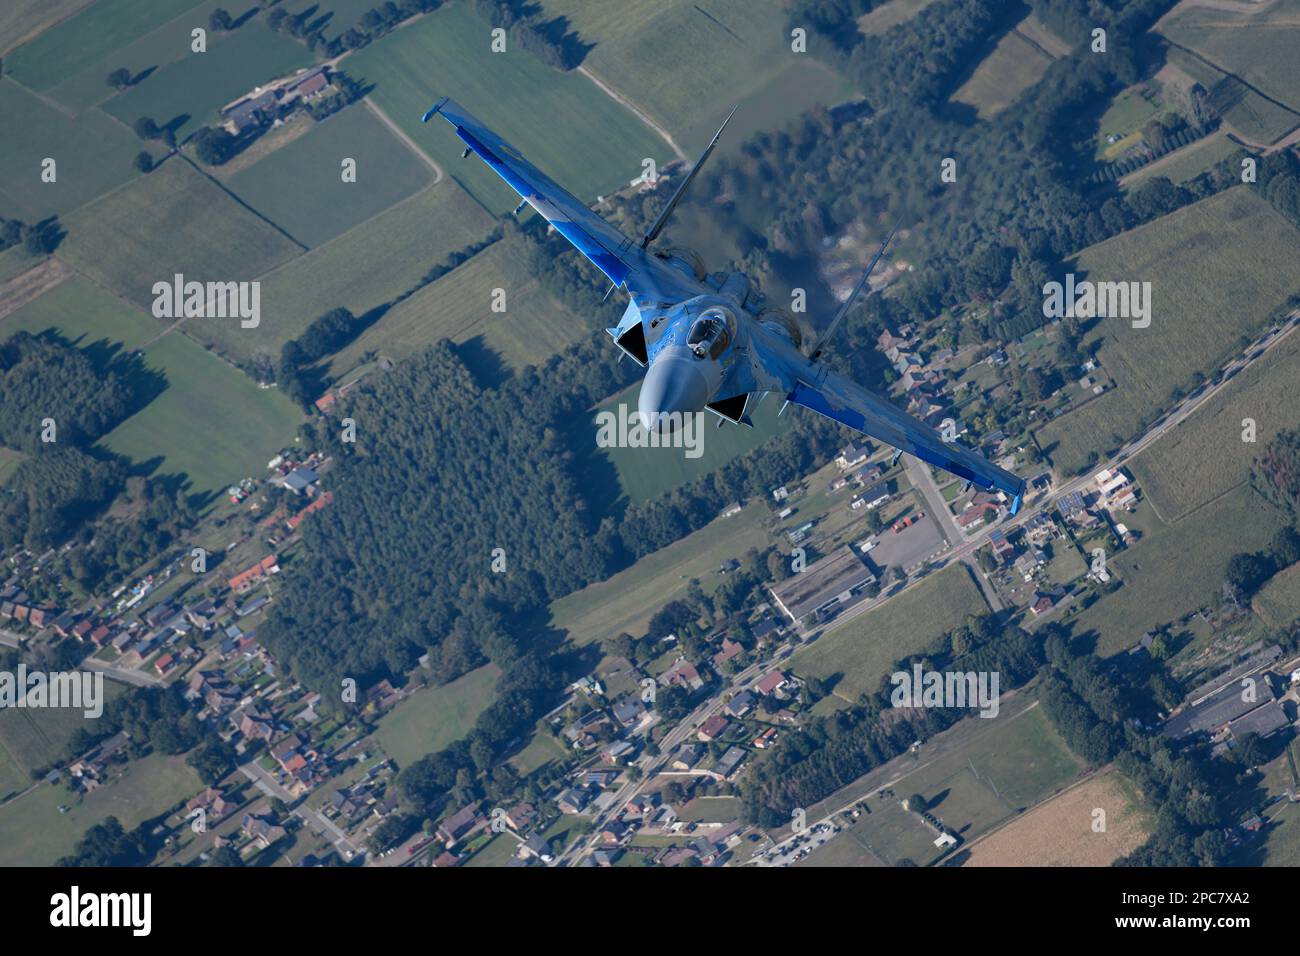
point(711, 333)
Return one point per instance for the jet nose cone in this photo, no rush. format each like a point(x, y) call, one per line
point(674, 387)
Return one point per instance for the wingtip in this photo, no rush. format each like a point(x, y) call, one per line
point(718, 135)
point(433, 110)
point(1018, 500)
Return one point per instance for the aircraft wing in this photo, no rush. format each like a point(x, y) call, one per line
point(850, 404)
point(612, 252)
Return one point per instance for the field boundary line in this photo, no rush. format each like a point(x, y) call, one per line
point(256, 213)
point(47, 100)
point(1250, 86)
point(1088, 775)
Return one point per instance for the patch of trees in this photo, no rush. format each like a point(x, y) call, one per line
point(52, 493)
point(562, 271)
point(832, 22)
point(309, 25)
point(1249, 571)
point(37, 238)
point(327, 334)
point(147, 128)
point(156, 718)
point(58, 488)
point(213, 761)
point(1279, 179)
point(470, 769)
point(343, 91)
point(920, 60)
point(44, 377)
point(1276, 472)
point(1094, 708)
point(108, 844)
point(338, 328)
point(1160, 140)
point(1123, 20)
point(154, 519)
point(551, 41)
point(214, 145)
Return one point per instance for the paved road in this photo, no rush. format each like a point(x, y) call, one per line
point(125, 675)
point(923, 481)
point(269, 786)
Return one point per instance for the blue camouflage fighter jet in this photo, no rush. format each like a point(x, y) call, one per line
point(708, 341)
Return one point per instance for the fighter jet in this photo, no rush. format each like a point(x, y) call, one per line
point(710, 341)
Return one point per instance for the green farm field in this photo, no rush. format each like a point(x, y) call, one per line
point(1014, 65)
point(458, 307)
point(562, 122)
point(342, 14)
point(173, 220)
point(1008, 764)
point(646, 473)
point(301, 189)
point(1125, 115)
point(90, 39)
point(79, 83)
point(34, 833)
point(35, 739)
point(1217, 270)
point(87, 316)
point(861, 651)
point(1177, 568)
point(1257, 45)
point(627, 601)
point(212, 423)
point(1254, 116)
point(190, 91)
point(23, 20)
point(436, 716)
point(712, 45)
point(365, 267)
point(1205, 456)
point(92, 153)
point(1187, 163)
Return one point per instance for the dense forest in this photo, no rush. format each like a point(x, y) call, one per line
point(1022, 200)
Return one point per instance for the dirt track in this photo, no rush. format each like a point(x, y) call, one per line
point(36, 281)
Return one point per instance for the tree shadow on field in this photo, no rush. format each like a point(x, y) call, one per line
point(573, 49)
point(239, 21)
point(176, 122)
point(484, 362)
